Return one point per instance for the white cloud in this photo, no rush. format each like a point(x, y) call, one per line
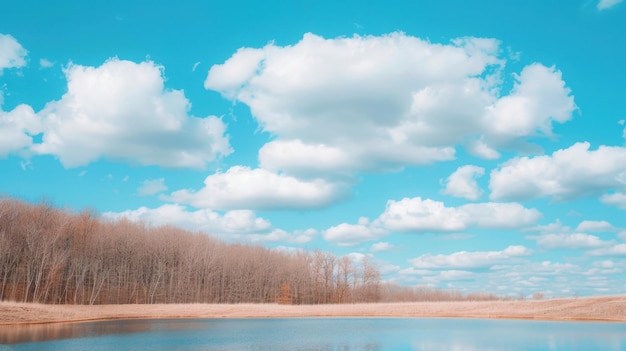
point(603, 268)
point(553, 268)
point(555, 227)
point(417, 272)
point(455, 275)
point(570, 241)
point(304, 159)
point(26, 165)
point(538, 98)
point(417, 215)
point(616, 199)
point(279, 235)
point(385, 268)
point(231, 77)
point(615, 250)
point(152, 186)
point(499, 215)
point(45, 63)
point(12, 54)
point(558, 236)
point(545, 275)
point(232, 222)
point(244, 188)
point(569, 173)
point(287, 155)
point(121, 111)
point(17, 128)
point(462, 183)
point(509, 276)
point(469, 260)
point(243, 221)
point(595, 226)
point(481, 149)
point(605, 4)
point(346, 234)
point(422, 216)
point(413, 101)
point(381, 246)
point(236, 225)
point(604, 264)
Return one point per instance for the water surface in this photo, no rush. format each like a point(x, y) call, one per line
point(318, 334)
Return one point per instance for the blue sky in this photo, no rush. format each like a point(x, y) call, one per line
point(477, 146)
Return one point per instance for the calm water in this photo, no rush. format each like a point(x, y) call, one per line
point(317, 334)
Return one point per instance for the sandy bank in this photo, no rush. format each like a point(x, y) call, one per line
point(612, 308)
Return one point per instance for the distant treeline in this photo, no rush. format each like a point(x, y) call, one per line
point(51, 256)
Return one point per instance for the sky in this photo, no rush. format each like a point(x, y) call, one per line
point(475, 146)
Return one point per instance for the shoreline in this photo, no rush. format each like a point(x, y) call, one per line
point(601, 309)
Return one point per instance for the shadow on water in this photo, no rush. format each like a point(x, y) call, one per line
point(188, 334)
point(15, 334)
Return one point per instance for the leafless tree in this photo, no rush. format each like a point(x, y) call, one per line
point(53, 256)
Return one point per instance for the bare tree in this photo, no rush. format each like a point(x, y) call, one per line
point(51, 256)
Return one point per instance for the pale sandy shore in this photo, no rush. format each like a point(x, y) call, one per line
point(610, 308)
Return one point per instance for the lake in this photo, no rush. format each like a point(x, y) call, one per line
point(318, 334)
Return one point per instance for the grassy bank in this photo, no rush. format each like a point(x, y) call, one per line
point(611, 308)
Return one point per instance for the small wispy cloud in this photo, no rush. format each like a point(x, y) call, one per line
point(26, 165)
point(605, 4)
point(381, 246)
point(151, 187)
point(45, 63)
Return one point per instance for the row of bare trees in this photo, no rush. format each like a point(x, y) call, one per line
point(52, 256)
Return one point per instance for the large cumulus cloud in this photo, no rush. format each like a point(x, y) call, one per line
point(383, 102)
point(121, 111)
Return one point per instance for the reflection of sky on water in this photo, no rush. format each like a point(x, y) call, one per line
point(318, 334)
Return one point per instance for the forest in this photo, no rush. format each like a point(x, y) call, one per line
point(52, 256)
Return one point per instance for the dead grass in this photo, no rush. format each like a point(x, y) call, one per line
point(610, 308)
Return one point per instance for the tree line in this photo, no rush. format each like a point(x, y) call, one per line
point(52, 256)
